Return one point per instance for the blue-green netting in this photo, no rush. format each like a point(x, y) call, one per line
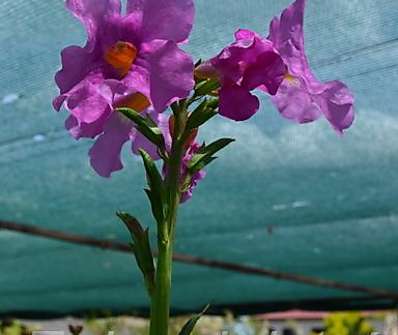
point(287, 197)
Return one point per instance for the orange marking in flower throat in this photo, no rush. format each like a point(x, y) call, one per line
point(121, 56)
point(292, 80)
point(136, 101)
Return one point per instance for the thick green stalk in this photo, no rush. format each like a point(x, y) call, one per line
point(160, 305)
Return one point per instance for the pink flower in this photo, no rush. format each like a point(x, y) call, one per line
point(301, 96)
point(193, 179)
point(130, 60)
point(250, 62)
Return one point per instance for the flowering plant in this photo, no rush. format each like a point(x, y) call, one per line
point(133, 82)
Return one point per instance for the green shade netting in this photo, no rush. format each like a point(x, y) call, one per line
point(287, 197)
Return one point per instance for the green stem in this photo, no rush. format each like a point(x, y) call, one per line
point(160, 305)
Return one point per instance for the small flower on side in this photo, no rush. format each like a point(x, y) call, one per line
point(250, 62)
point(302, 97)
point(188, 181)
point(130, 60)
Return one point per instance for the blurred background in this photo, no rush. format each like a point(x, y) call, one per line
point(286, 198)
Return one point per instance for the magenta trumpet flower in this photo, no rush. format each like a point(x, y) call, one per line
point(249, 63)
point(302, 97)
point(131, 60)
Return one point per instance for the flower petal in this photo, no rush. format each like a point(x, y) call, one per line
point(302, 97)
point(196, 178)
point(137, 80)
point(163, 19)
point(92, 13)
point(295, 103)
point(287, 35)
point(171, 73)
point(75, 66)
point(230, 60)
point(86, 130)
point(237, 103)
point(289, 27)
point(140, 142)
point(267, 71)
point(90, 100)
point(251, 59)
point(337, 105)
point(105, 153)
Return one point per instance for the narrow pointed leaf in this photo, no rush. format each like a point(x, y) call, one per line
point(156, 192)
point(190, 325)
point(216, 146)
point(157, 211)
point(200, 115)
point(141, 248)
point(145, 126)
point(205, 154)
point(206, 87)
point(201, 164)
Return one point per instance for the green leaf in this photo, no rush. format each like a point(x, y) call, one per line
point(216, 146)
point(206, 87)
point(205, 154)
point(213, 103)
point(201, 164)
point(175, 107)
point(145, 126)
point(141, 248)
point(157, 211)
point(156, 192)
point(190, 325)
point(200, 115)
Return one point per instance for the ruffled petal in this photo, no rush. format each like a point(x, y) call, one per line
point(137, 80)
point(267, 71)
point(75, 66)
point(337, 104)
point(86, 130)
point(251, 61)
point(92, 14)
point(287, 35)
point(289, 27)
point(163, 19)
point(245, 34)
point(105, 153)
point(237, 103)
point(230, 62)
point(140, 142)
point(302, 97)
point(295, 103)
point(89, 100)
point(171, 73)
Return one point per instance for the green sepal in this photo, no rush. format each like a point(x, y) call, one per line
point(216, 146)
point(200, 115)
point(141, 248)
point(205, 154)
point(156, 191)
point(191, 323)
point(175, 107)
point(145, 126)
point(213, 103)
point(198, 62)
point(206, 87)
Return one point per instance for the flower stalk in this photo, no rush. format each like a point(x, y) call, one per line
point(160, 304)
